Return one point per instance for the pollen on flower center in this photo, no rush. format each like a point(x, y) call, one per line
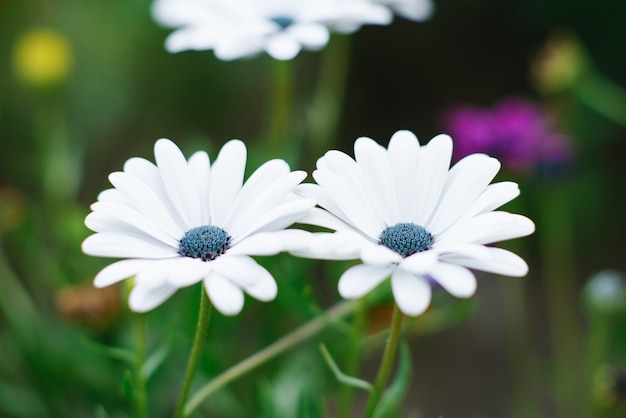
point(283, 21)
point(406, 239)
point(205, 242)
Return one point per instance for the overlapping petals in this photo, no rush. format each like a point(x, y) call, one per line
point(238, 28)
point(409, 183)
point(151, 207)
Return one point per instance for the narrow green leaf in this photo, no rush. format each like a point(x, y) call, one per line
point(155, 360)
point(342, 377)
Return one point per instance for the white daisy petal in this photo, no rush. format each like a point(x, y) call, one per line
point(226, 180)
point(489, 227)
point(118, 244)
point(111, 195)
point(235, 48)
point(262, 177)
point(267, 243)
point(403, 157)
point(294, 239)
point(246, 273)
point(323, 199)
point(118, 271)
point(379, 255)
point(420, 263)
point(311, 36)
point(347, 187)
point(372, 158)
point(323, 218)
point(280, 217)
point(149, 175)
point(359, 280)
point(145, 298)
point(341, 245)
point(265, 289)
point(225, 296)
point(457, 280)
point(239, 269)
point(282, 47)
point(145, 200)
point(200, 166)
point(494, 196)
point(178, 181)
point(497, 260)
point(185, 271)
point(120, 214)
point(430, 177)
point(263, 200)
point(350, 202)
point(466, 181)
point(412, 293)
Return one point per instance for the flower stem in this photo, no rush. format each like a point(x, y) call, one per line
point(141, 399)
point(559, 263)
point(325, 111)
point(288, 341)
point(353, 356)
point(281, 98)
point(387, 362)
point(196, 351)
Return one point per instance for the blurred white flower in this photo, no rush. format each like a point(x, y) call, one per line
point(238, 28)
point(180, 222)
point(406, 214)
point(416, 10)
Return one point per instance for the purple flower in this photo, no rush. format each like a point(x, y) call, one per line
point(516, 131)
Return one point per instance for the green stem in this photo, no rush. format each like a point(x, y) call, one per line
point(288, 341)
point(353, 356)
point(387, 362)
point(597, 348)
point(325, 111)
point(141, 401)
point(196, 351)
point(281, 98)
point(559, 265)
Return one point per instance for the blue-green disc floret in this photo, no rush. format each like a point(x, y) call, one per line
point(406, 238)
point(283, 21)
point(205, 242)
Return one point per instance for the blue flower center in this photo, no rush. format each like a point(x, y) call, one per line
point(406, 238)
point(204, 242)
point(283, 21)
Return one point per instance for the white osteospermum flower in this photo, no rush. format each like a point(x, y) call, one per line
point(406, 214)
point(416, 10)
point(180, 222)
point(238, 28)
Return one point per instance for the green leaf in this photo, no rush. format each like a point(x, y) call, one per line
point(128, 387)
point(341, 376)
point(100, 412)
point(391, 400)
point(116, 353)
point(155, 360)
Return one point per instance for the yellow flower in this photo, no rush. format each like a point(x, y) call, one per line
point(42, 57)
